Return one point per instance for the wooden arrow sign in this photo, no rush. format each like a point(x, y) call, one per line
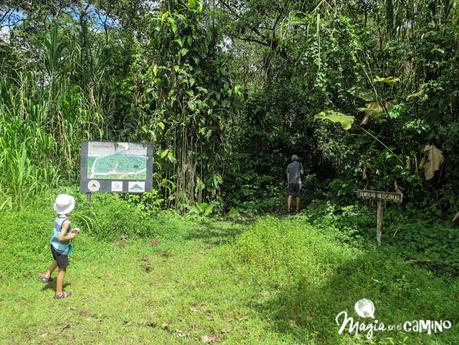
point(380, 196)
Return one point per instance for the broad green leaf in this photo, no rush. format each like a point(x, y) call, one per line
point(183, 51)
point(199, 185)
point(164, 153)
point(420, 93)
point(180, 42)
point(191, 105)
point(165, 16)
point(209, 209)
point(375, 111)
point(171, 157)
point(386, 80)
point(345, 121)
point(237, 90)
point(173, 24)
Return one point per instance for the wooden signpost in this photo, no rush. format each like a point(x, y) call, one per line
point(380, 196)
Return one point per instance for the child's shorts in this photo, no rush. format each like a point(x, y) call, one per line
point(61, 259)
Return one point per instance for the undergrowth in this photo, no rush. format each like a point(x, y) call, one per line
point(424, 240)
point(184, 279)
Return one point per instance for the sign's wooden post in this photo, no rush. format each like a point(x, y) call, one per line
point(380, 196)
point(379, 218)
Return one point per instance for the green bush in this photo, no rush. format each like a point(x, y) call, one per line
point(24, 235)
point(112, 217)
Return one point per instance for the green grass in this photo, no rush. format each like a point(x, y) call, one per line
point(275, 281)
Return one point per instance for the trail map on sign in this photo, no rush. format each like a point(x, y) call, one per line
point(117, 161)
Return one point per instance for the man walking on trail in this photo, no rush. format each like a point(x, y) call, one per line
point(294, 172)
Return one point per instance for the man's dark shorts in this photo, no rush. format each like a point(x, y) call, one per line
point(61, 259)
point(294, 189)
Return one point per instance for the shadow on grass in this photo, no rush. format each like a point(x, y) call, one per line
point(217, 233)
point(307, 310)
point(52, 286)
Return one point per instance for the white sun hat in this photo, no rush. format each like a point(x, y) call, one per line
point(64, 204)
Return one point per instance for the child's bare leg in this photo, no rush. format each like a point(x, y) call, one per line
point(51, 269)
point(60, 281)
point(297, 203)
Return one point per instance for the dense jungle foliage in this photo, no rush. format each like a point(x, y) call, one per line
point(365, 92)
point(227, 91)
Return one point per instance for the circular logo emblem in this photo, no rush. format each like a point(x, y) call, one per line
point(93, 185)
point(365, 308)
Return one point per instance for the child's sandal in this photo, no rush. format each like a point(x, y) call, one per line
point(44, 279)
point(65, 294)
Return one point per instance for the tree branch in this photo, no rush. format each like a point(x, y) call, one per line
point(4, 16)
point(250, 39)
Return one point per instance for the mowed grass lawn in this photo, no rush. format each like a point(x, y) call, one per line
point(277, 281)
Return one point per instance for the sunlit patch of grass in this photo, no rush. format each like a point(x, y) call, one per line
point(278, 281)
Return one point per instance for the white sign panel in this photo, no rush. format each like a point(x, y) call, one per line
point(117, 186)
point(136, 186)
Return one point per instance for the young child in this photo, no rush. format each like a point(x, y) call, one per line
point(60, 243)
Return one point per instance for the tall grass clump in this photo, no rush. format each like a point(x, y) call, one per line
point(26, 150)
point(306, 277)
point(40, 136)
point(110, 217)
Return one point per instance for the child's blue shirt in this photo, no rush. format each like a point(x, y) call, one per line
point(60, 247)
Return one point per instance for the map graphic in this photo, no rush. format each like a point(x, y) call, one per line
point(117, 161)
